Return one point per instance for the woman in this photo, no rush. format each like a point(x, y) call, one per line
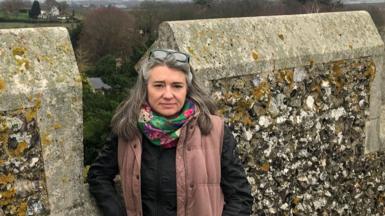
point(173, 155)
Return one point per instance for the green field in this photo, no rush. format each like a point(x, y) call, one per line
point(7, 25)
point(19, 16)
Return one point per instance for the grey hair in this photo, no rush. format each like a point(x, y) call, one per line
point(170, 62)
point(125, 119)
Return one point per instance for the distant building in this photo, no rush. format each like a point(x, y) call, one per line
point(121, 6)
point(54, 12)
point(51, 14)
point(97, 84)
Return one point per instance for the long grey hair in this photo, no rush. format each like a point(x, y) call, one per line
point(125, 120)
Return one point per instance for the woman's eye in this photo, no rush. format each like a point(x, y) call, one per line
point(158, 85)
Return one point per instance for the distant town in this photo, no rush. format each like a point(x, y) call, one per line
point(132, 3)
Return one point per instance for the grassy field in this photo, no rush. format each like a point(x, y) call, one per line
point(22, 20)
point(7, 25)
point(18, 16)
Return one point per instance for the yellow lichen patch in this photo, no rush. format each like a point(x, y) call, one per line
point(336, 69)
point(18, 51)
point(296, 200)
point(246, 120)
point(254, 55)
point(381, 198)
point(261, 90)
point(7, 197)
point(30, 98)
point(280, 36)
point(4, 138)
point(311, 62)
point(221, 112)
point(356, 65)
point(45, 139)
point(265, 167)
point(190, 50)
point(22, 210)
point(243, 105)
point(23, 63)
point(45, 58)
point(2, 162)
point(336, 75)
point(57, 126)
point(21, 147)
point(2, 85)
point(286, 75)
point(6, 179)
point(65, 179)
point(316, 87)
point(229, 95)
point(32, 113)
point(3, 126)
point(371, 71)
point(64, 48)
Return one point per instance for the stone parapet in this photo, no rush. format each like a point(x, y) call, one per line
point(223, 48)
point(41, 150)
point(303, 96)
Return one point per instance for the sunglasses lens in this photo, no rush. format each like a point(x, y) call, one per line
point(159, 54)
point(180, 57)
point(162, 54)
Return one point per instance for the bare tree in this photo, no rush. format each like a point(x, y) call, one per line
point(108, 31)
point(63, 7)
point(48, 4)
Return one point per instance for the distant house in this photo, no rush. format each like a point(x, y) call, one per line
point(121, 6)
point(97, 84)
point(52, 13)
point(43, 14)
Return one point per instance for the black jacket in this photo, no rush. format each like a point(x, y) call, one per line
point(159, 180)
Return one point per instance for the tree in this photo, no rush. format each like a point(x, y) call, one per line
point(12, 7)
point(51, 3)
point(108, 31)
point(329, 3)
point(35, 10)
point(203, 2)
point(63, 7)
point(98, 108)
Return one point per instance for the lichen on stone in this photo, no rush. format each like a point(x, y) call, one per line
point(22, 179)
point(2, 85)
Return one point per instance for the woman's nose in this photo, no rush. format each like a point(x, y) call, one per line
point(168, 93)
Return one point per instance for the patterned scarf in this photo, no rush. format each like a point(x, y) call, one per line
point(163, 131)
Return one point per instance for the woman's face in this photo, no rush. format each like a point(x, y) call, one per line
point(166, 90)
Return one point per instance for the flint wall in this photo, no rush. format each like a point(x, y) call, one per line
point(303, 95)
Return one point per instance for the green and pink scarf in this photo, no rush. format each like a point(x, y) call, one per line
point(162, 131)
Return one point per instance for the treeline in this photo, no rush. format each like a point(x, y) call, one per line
point(109, 42)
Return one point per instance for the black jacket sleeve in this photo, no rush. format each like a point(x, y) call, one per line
point(101, 180)
point(235, 187)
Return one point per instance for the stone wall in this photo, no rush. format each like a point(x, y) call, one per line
point(41, 150)
point(302, 95)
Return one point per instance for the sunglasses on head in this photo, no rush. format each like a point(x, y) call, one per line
point(163, 54)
